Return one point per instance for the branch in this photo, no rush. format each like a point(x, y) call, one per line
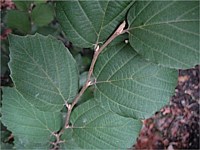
point(118, 31)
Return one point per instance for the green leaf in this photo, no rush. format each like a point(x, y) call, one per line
point(30, 145)
point(89, 22)
point(39, 1)
point(25, 121)
point(69, 143)
point(18, 20)
point(129, 85)
point(22, 5)
point(97, 128)
point(83, 78)
point(6, 146)
point(42, 14)
point(166, 32)
point(120, 39)
point(88, 94)
point(43, 70)
point(47, 30)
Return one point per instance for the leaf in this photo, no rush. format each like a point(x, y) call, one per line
point(30, 145)
point(119, 39)
point(69, 143)
point(83, 78)
point(25, 121)
point(18, 20)
point(87, 95)
point(22, 5)
point(166, 32)
point(97, 128)
point(46, 30)
point(6, 146)
point(42, 14)
point(43, 71)
point(89, 22)
point(39, 1)
point(129, 85)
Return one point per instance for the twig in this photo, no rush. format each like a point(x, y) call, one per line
point(120, 30)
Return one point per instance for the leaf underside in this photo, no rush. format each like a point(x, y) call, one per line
point(166, 32)
point(129, 85)
point(95, 127)
point(43, 70)
point(24, 144)
point(90, 22)
point(25, 121)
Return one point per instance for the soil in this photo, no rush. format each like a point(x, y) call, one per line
point(175, 126)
